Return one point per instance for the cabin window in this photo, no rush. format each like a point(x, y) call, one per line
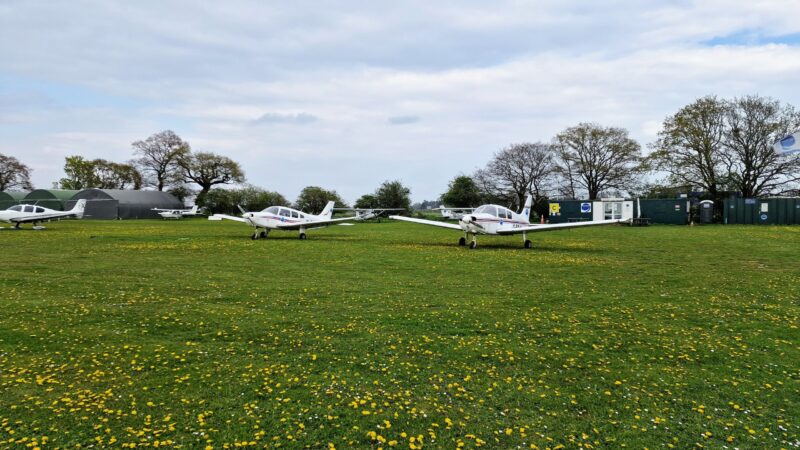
point(302, 216)
point(39, 209)
point(294, 214)
point(285, 213)
point(28, 209)
point(491, 210)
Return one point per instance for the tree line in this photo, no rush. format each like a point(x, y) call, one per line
point(717, 146)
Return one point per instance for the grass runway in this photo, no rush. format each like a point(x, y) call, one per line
point(187, 334)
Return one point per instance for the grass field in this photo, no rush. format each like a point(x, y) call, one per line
point(188, 334)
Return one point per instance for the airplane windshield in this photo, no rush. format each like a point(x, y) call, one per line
point(272, 210)
point(481, 210)
point(16, 208)
point(487, 209)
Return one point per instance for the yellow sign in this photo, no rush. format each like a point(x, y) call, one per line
point(555, 209)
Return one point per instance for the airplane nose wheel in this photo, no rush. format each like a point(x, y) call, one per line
point(462, 241)
point(263, 234)
point(473, 245)
point(302, 236)
point(254, 236)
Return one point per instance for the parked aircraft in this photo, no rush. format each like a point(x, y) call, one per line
point(284, 218)
point(368, 213)
point(177, 213)
point(19, 214)
point(498, 220)
point(453, 213)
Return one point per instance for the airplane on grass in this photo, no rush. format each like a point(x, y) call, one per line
point(498, 220)
point(19, 214)
point(284, 218)
point(368, 213)
point(453, 213)
point(177, 213)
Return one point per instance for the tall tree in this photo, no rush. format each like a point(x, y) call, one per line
point(158, 157)
point(366, 201)
point(99, 173)
point(392, 194)
point(691, 146)
point(314, 199)
point(208, 170)
point(14, 174)
point(462, 191)
point(519, 170)
point(754, 124)
point(602, 157)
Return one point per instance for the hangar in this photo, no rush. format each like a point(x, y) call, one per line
point(124, 204)
point(49, 198)
point(10, 198)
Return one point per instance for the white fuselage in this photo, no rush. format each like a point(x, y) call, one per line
point(171, 214)
point(488, 219)
point(273, 217)
point(26, 211)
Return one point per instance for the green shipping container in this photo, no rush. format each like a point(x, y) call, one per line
point(762, 211)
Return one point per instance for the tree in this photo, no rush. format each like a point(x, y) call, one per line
point(14, 174)
point(100, 174)
point(691, 146)
point(158, 158)
point(208, 170)
point(753, 125)
point(250, 198)
point(462, 192)
point(601, 157)
point(314, 199)
point(366, 201)
point(522, 169)
point(392, 194)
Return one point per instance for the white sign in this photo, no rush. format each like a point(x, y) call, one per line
point(788, 145)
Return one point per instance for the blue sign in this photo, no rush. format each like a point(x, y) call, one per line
point(586, 207)
point(788, 142)
point(763, 217)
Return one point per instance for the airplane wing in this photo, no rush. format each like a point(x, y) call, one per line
point(434, 223)
point(453, 209)
point(41, 217)
point(227, 217)
point(556, 226)
point(317, 224)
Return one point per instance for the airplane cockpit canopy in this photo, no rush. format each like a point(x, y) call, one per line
point(272, 210)
point(17, 208)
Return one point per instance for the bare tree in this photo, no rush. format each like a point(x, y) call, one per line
point(208, 170)
point(158, 158)
point(601, 157)
point(566, 171)
point(519, 170)
point(754, 124)
point(14, 174)
point(691, 146)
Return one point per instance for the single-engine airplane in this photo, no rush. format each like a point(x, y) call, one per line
point(368, 213)
point(284, 218)
point(498, 220)
point(453, 213)
point(19, 214)
point(177, 213)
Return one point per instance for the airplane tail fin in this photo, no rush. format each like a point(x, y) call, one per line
point(79, 208)
point(194, 209)
point(526, 209)
point(327, 212)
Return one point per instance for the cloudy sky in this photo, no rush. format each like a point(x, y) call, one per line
point(347, 94)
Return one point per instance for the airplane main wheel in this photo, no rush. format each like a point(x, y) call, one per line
point(302, 236)
point(254, 236)
point(473, 245)
point(263, 235)
point(528, 243)
point(462, 241)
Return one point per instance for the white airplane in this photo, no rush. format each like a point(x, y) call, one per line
point(368, 213)
point(498, 220)
point(177, 213)
point(284, 218)
point(19, 214)
point(453, 213)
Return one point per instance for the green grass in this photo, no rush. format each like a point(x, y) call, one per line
point(189, 334)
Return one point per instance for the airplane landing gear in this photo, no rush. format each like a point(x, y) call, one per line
point(254, 236)
point(302, 236)
point(474, 244)
point(462, 241)
point(528, 243)
point(263, 234)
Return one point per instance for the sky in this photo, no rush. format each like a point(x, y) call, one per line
point(348, 94)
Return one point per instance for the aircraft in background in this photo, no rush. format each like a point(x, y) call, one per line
point(453, 213)
point(368, 213)
point(284, 218)
point(19, 214)
point(498, 220)
point(177, 213)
